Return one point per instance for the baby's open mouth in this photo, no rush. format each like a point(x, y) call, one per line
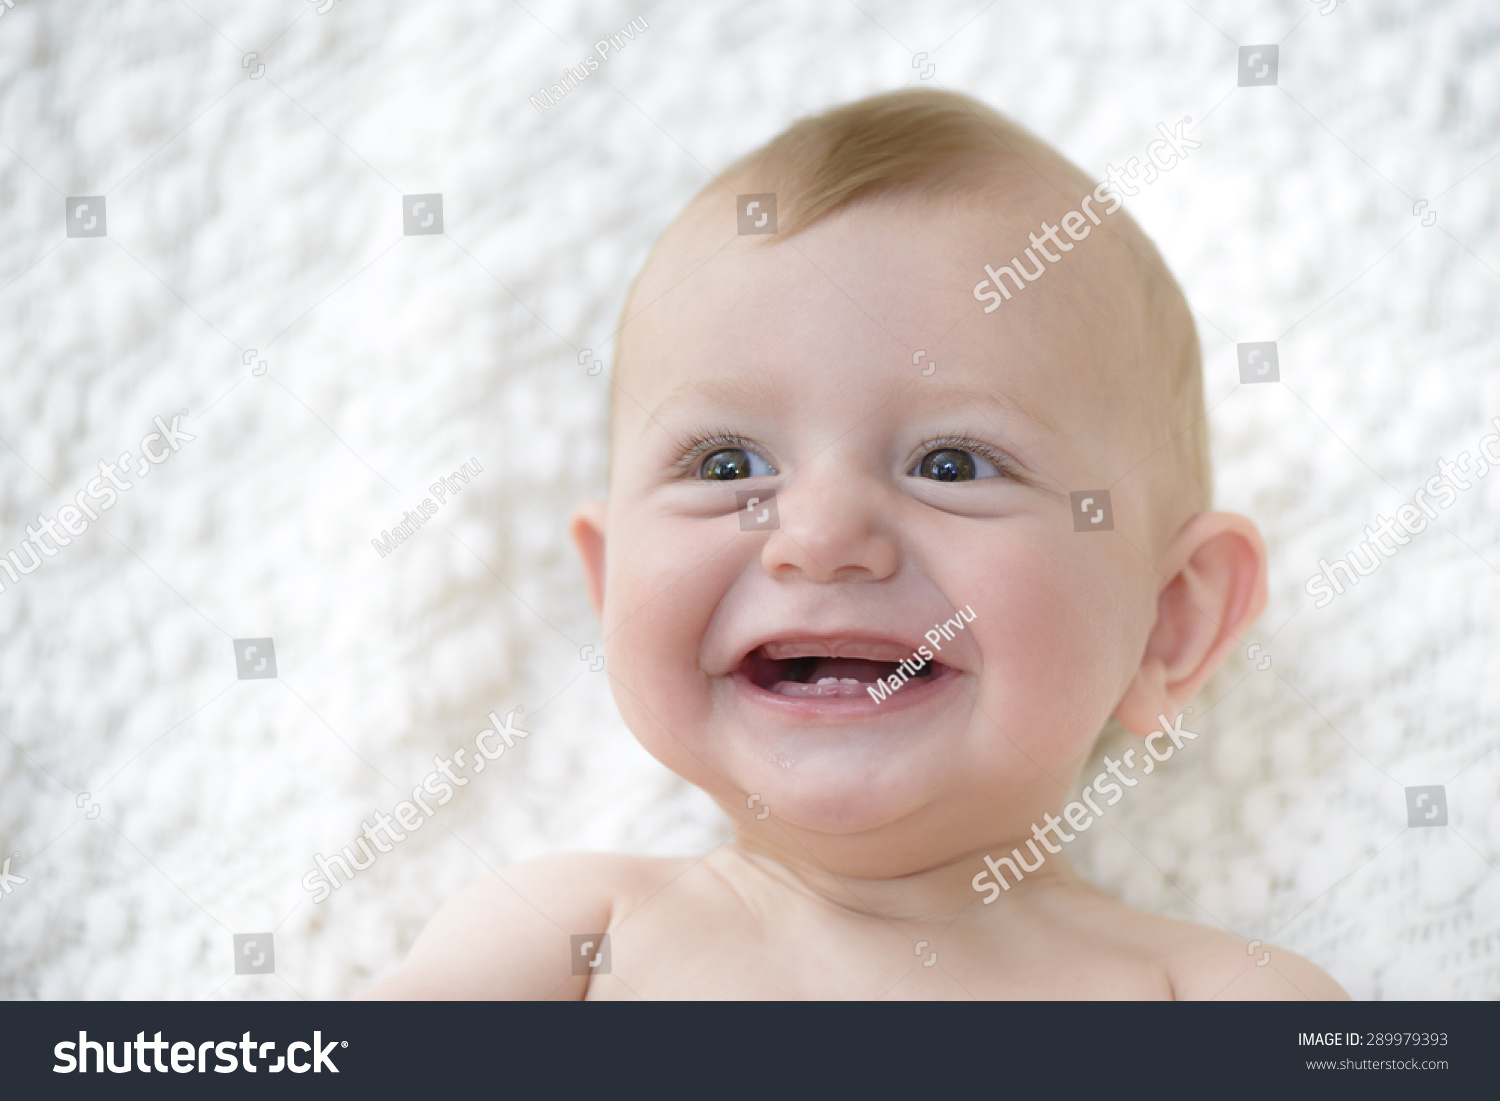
point(811, 671)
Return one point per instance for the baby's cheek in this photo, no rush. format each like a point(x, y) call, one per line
point(1053, 634)
point(658, 599)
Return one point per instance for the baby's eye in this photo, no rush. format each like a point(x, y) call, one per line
point(951, 464)
point(732, 463)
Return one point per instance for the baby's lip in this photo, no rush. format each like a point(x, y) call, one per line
point(783, 646)
point(832, 675)
point(837, 646)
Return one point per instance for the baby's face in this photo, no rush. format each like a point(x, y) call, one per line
point(905, 488)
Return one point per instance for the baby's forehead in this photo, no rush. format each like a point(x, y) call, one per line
point(896, 275)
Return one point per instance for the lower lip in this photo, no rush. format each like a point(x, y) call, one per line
point(914, 693)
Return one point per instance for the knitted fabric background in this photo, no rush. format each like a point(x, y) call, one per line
point(255, 271)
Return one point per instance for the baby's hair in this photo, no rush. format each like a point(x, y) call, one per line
point(934, 145)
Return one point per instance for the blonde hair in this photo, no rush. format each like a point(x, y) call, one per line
point(943, 144)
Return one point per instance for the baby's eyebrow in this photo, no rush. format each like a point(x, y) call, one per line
point(753, 391)
point(756, 391)
point(967, 395)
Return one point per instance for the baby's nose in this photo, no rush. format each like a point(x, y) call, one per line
point(832, 527)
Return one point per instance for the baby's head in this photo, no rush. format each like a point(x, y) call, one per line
point(915, 440)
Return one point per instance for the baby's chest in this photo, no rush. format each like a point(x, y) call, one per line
point(725, 956)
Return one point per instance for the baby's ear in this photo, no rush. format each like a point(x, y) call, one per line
point(1215, 574)
point(587, 529)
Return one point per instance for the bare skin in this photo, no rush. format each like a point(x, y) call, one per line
point(739, 658)
point(736, 925)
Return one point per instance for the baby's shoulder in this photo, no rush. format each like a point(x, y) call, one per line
point(1206, 964)
point(512, 934)
point(578, 885)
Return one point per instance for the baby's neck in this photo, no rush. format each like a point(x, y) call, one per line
point(937, 893)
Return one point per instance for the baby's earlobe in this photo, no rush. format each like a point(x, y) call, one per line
point(1146, 696)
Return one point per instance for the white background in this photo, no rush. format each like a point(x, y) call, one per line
point(265, 214)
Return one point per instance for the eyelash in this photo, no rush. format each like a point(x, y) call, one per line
point(696, 447)
point(1000, 462)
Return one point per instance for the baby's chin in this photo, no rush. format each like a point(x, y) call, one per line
point(836, 762)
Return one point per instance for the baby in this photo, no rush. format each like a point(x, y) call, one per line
point(909, 494)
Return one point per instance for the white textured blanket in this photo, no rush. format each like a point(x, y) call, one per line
point(252, 161)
